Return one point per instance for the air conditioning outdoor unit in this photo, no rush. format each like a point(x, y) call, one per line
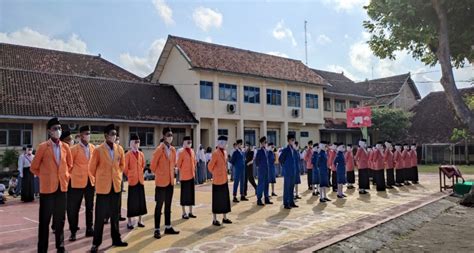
point(230, 108)
point(295, 113)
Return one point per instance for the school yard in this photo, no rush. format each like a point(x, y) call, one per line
point(310, 227)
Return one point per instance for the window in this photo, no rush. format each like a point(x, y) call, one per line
point(227, 92)
point(223, 132)
point(353, 104)
point(251, 95)
point(341, 137)
point(178, 135)
point(146, 135)
point(294, 99)
point(325, 136)
point(312, 101)
point(12, 134)
point(327, 104)
point(272, 137)
point(304, 134)
point(273, 97)
point(356, 138)
point(205, 89)
point(249, 137)
point(340, 105)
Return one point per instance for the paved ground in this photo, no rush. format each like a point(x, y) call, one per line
point(312, 226)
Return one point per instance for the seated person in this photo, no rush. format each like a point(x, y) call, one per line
point(3, 198)
point(12, 184)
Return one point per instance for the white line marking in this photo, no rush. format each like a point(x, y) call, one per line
point(30, 220)
point(11, 225)
point(23, 229)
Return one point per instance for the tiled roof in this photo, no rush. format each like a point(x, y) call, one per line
point(213, 57)
point(37, 94)
point(388, 85)
point(341, 84)
point(53, 61)
point(384, 100)
point(434, 118)
point(337, 125)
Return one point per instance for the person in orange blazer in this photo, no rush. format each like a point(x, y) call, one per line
point(52, 164)
point(106, 168)
point(163, 164)
point(187, 165)
point(332, 173)
point(220, 189)
point(349, 159)
point(389, 164)
point(399, 165)
point(379, 167)
point(134, 166)
point(80, 185)
point(406, 161)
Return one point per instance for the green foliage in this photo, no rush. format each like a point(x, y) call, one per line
point(388, 123)
point(469, 99)
point(10, 157)
point(459, 134)
point(412, 25)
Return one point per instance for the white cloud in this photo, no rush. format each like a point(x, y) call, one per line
point(206, 18)
point(340, 69)
point(346, 5)
point(208, 39)
point(323, 39)
point(360, 57)
point(164, 10)
point(281, 32)
point(29, 37)
point(278, 54)
point(142, 66)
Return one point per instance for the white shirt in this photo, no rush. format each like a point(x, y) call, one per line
point(208, 157)
point(57, 152)
point(201, 155)
point(111, 151)
point(86, 150)
point(24, 161)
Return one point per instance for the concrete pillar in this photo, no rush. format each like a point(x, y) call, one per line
point(197, 136)
point(263, 129)
point(283, 133)
point(240, 129)
point(215, 128)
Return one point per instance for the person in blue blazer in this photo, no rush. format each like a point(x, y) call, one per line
point(340, 164)
point(271, 170)
point(238, 162)
point(323, 171)
point(289, 160)
point(262, 162)
point(314, 160)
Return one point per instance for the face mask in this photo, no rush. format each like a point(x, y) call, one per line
point(188, 145)
point(398, 148)
point(56, 134)
point(333, 147)
point(340, 148)
point(222, 144)
point(362, 144)
point(111, 138)
point(295, 147)
point(413, 148)
point(87, 138)
point(71, 143)
point(269, 148)
point(29, 152)
point(349, 149)
point(169, 140)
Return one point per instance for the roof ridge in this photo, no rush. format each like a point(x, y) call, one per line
point(54, 50)
point(231, 47)
point(382, 78)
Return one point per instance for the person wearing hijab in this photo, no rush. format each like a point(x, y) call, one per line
point(362, 162)
point(323, 172)
point(187, 166)
point(340, 165)
point(81, 185)
point(349, 159)
point(238, 162)
point(52, 164)
point(106, 168)
point(163, 165)
point(220, 189)
point(27, 177)
point(134, 166)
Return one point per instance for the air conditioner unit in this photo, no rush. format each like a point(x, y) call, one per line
point(295, 113)
point(73, 126)
point(231, 108)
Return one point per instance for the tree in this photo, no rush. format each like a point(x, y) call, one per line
point(436, 31)
point(390, 124)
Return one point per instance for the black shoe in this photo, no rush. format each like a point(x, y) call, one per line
point(243, 198)
point(216, 223)
point(407, 183)
point(62, 250)
point(274, 194)
point(297, 197)
point(287, 207)
point(315, 193)
point(327, 199)
point(171, 231)
point(72, 238)
point(362, 192)
point(157, 234)
point(416, 182)
point(260, 203)
point(89, 232)
point(293, 205)
point(120, 244)
point(268, 202)
point(122, 218)
point(94, 249)
point(340, 196)
point(350, 187)
point(322, 200)
point(192, 216)
point(389, 187)
point(130, 226)
point(140, 225)
point(185, 216)
point(235, 200)
point(226, 221)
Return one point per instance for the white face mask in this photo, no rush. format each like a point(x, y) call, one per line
point(269, 148)
point(87, 138)
point(398, 148)
point(188, 145)
point(169, 140)
point(349, 149)
point(56, 134)
point(71, 142)
point(413, 147)
point(340, 148)
point(111, 138)
point(332, 147)
point(222, 144)
point(362, 144)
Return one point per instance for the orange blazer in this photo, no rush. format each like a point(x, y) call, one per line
point(362, 159)
point(186, 164)
point(397, 160)
point(134, 166)
point(163, 165)
point(80, 167)
point(218, 167)
point(349, 159)
point(104, 171)
point(51, 174)
point(378, 161)
point(331, 158)
point(388, 159)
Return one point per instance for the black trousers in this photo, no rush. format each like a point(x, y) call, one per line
point(379, 178)
point(163, 195)
point(334, 181)
point(51, 204)
point(249, 178)
point(310, 178)
point(107, 205)
point(390, 177)
point(74, 200)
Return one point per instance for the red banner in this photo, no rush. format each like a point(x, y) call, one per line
point(359, 117)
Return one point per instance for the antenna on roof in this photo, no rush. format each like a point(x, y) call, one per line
point(99, 55)
point(305, 43)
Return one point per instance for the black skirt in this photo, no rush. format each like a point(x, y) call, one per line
point(136, 202)
point(27, 186)
point(350, 177)
point(390, 177)
point(415, 174)
point(399, 176)
point(220, 199)
point(379, 177)
point(187, 193)
point(364, 179)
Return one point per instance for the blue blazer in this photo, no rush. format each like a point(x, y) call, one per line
point(288, 161)
point(314, 160)
point(261, 161)
point(340, 162)
point(323, 161)
point(238, 160)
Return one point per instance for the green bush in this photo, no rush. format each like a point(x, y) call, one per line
point(10, 157)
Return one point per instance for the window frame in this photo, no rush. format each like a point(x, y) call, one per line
point(227, 87)
point(223, 131)
point(327, 104)
point(341, 102)
point(145, 131)
point(294, 96)
point(353, 102)
point(251, 90)
point(315, 100)
point(206, 84)
point(22, 128)
point(273, 95)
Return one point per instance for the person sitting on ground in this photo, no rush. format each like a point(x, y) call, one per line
point(12, 186)
point(3, 198)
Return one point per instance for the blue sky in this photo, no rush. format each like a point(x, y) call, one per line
point(132, 33)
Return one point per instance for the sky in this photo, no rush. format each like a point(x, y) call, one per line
point(132, 34)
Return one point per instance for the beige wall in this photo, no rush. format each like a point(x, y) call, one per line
point(338, 115)
point(406, 100)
